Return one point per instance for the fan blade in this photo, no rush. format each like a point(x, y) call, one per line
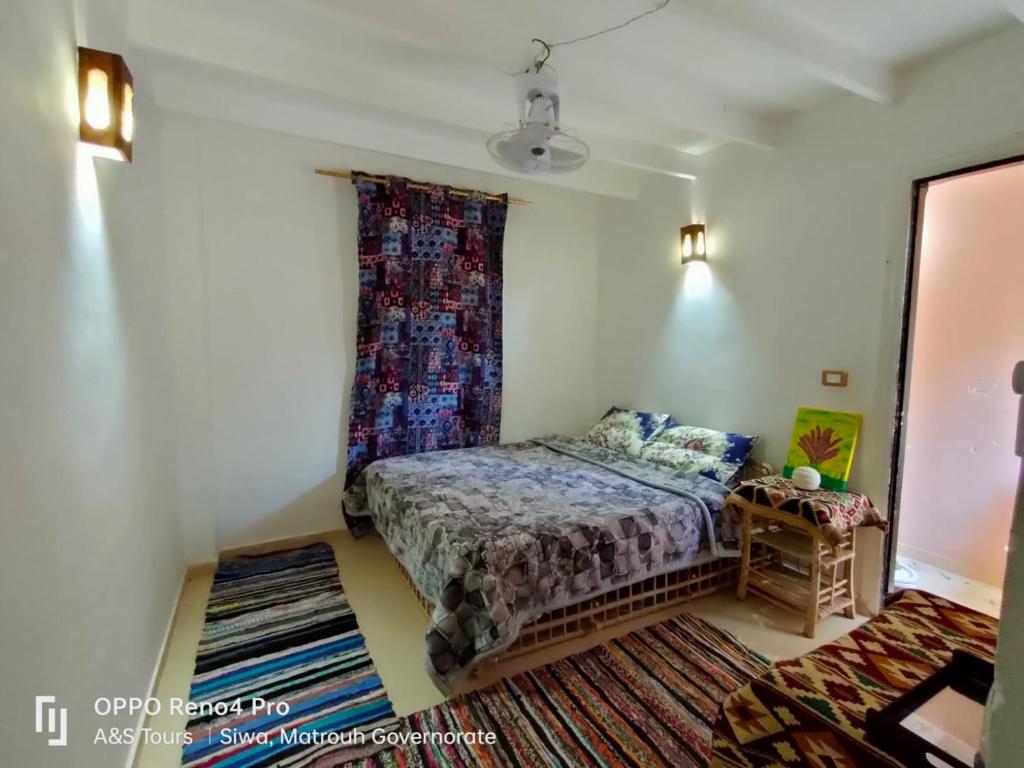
point(561, 156)
point(563, 160)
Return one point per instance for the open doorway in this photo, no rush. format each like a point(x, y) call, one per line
point(955, 472)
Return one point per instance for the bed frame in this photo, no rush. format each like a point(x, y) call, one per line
point(705, 576)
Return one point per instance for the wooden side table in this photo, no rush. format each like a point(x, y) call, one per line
point(802, 570)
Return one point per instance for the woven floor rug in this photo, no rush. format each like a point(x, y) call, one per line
point(279, 629)
point(812, 710)
point(647, 699)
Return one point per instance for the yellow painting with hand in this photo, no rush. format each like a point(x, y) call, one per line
point(824, 440)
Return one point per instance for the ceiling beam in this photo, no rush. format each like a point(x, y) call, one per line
point(645, 157)
point(208, 91)
point(597, 83)
point(768, 23)
point(202, 90)
point(330, 62)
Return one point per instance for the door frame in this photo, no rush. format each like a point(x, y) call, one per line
point(918, 188)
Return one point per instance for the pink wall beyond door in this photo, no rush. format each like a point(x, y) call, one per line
point(959, 471)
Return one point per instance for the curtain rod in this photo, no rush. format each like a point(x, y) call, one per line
point(415, 185)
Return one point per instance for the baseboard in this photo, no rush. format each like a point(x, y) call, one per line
point(202, 569)
point(207, 569)
point(289, 543)
point(158, 669)
point(930, 558)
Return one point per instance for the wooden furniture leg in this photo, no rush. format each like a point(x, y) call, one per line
point(851, 611)
point(836, 571)
point(811, 615)
point(746, 525)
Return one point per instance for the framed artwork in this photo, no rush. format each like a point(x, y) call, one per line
point(824, 440)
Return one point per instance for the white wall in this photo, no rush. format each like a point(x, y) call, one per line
point(263, 284)
point(90, 554)
point(653, 326)
point(808, 247)
point(961, 411)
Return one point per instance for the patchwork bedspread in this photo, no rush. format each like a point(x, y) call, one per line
point(497, 536)
point(811, 711)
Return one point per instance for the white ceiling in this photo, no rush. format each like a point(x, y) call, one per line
point(432, 78)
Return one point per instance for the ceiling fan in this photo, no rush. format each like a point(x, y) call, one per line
point(540, 144)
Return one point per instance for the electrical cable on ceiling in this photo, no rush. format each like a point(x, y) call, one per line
point(581, 38)
point(540, 144)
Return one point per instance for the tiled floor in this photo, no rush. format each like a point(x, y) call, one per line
point(974, 594)
point(394, 624)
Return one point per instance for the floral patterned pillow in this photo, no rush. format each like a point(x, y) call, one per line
point(626, 431)
point(697, 450)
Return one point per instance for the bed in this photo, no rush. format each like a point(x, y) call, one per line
point(498, 539)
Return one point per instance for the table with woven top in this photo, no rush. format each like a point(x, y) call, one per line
point(813, 710)
point(810, 539)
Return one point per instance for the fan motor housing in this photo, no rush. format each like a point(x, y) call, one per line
point(539, 144)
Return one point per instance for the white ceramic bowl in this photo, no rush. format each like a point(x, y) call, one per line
point(806, 479)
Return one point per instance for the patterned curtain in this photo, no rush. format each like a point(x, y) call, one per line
point(428, 367)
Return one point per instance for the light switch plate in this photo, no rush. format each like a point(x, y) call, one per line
point(834, 378)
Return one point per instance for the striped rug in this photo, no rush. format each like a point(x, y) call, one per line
point(647, 699)
point(279, 629)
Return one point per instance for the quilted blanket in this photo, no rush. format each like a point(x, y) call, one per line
point(497, 536)
point(811, 711)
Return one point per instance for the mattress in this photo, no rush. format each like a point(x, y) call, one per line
point(497, 536)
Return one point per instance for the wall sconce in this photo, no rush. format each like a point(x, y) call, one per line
point(105, 96)
point(692, 244)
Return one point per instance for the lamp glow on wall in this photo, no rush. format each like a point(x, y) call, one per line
point(105, 97)
point(692, 243)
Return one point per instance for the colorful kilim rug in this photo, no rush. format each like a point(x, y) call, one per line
point(279, 630)
point(810, 711)
point(647, 699)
